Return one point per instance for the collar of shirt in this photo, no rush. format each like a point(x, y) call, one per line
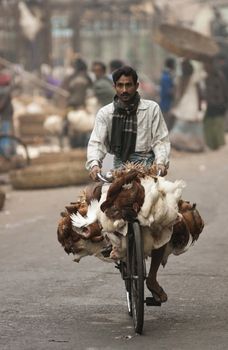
point(143, 105)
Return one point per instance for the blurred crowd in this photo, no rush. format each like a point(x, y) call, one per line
point(193, 97)
point(77, 90)
point(194, 103)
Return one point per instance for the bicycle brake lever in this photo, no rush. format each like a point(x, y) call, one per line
point(102, 178)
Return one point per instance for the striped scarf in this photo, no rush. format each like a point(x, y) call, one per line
point(124, 127)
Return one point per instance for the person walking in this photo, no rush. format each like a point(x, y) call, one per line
point(6, 111)
point(167, 90)
point(102, 86)
point(132, 129)
point(78, 84)
point(216, 96)
point(187, 132)
point(113, 65)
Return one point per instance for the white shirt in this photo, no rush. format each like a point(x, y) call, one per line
point(187, 109)
point(152, 134)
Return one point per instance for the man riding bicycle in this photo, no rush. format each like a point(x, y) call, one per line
point(132, 129)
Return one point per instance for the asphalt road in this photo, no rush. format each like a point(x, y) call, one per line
point(49, 302)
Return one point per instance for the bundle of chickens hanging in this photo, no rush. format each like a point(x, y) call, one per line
point(97, 223)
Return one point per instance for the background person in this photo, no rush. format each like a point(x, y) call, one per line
point(6, 111)
point(187, 132)
point(216, 96)
point(78, 84)
point(102, 86)
point(167, 90)
point(113, 65)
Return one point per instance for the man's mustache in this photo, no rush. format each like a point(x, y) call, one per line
point(125, 94)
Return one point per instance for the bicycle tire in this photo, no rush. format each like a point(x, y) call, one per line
point(137, 279)
point(17, 141)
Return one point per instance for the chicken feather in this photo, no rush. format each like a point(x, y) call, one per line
point(79, 221)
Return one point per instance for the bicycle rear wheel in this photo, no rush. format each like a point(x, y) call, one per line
point(137, 279)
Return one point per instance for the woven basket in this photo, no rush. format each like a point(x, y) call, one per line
point(50, 175)
point(185, 42)
point(78, 154)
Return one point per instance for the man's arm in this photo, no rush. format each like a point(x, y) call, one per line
point(160, 141)
point(96, 150)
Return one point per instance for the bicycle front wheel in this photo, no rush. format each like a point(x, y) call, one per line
point(137, 279)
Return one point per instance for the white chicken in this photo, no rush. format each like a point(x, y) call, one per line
point(81, 120)
point(54, 125)
point(160, 205)
point(79, 222)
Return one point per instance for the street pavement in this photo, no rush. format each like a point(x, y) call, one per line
point(49, 302)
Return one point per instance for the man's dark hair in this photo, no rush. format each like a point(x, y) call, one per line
point(170, 63)
point(101, 64)
point(127, 71)
point(187, 68)
point(80, 65)
point(115, 64)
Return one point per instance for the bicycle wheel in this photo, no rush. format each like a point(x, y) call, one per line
point(137, 279)
point(14, 150)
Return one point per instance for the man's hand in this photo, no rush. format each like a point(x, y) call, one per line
point(93, 172)
point(161, 168)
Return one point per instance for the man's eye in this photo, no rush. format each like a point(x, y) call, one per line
point(127, 85)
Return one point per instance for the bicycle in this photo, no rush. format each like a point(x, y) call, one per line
point(133, 271)
point(14, 150)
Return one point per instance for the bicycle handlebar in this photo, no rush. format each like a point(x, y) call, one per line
point(108, 177)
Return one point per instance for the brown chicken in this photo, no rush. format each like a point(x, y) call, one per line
point(191, 223)
point(124, 198)
point(185, 231)
point(71, 240)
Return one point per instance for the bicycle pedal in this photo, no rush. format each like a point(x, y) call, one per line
point(150, 301)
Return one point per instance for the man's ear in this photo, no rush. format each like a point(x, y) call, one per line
point(137, 85)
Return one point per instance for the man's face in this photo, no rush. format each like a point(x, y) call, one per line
point(125, 88)
point(98, 71)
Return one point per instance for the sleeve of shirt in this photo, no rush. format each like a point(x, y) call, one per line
point(97, 150)
point(160, 138)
